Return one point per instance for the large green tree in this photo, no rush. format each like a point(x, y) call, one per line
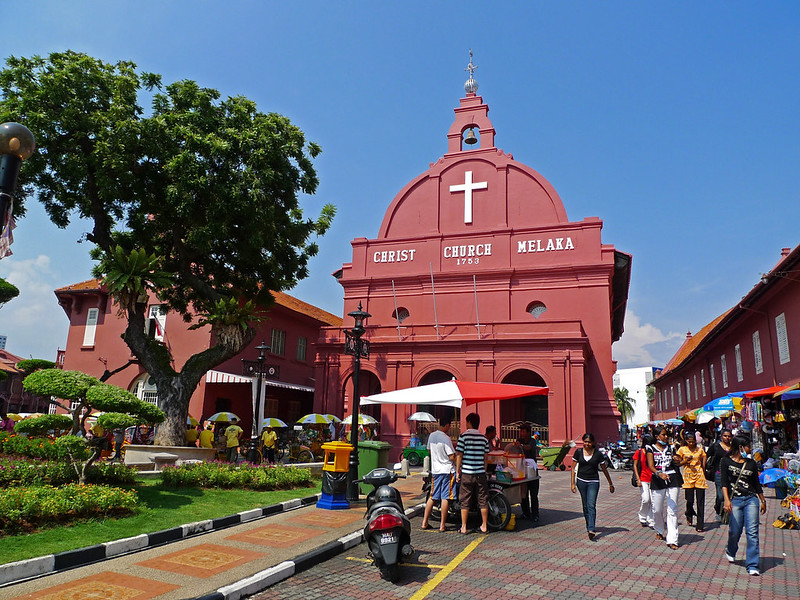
point(624, 404)
point(196, 201)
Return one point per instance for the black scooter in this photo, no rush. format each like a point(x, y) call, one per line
point(388, 530)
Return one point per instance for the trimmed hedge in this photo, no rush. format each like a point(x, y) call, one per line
point(21, 472)
point(22, 508)
point(37, 447)
point(225, 475)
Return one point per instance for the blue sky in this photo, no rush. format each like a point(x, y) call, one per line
point(676, 123)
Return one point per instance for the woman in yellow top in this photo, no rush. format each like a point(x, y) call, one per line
point(269, 439)
point(693, 459)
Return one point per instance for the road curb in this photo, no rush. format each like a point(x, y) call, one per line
point(268, 577)
point(16, 572)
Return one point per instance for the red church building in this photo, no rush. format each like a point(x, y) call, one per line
point(478, 274)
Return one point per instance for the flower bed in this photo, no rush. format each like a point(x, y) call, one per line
point(20, 445)
point(22, 508)
point(225, 475)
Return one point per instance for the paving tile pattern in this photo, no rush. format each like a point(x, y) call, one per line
point(554, 559)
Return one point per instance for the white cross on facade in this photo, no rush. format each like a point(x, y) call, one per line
point(467, 188)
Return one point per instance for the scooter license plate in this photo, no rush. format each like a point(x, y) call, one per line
point(388, 538)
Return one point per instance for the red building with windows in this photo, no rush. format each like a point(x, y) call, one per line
point(94, 346)
point(753, 345)
point(478, 274)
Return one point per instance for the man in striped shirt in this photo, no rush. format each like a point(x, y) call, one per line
point(471, 450)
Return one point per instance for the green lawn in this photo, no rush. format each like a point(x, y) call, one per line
point(161, 508)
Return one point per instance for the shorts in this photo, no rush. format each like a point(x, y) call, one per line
point(444, 486)
point(474, 486)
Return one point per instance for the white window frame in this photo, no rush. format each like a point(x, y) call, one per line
point(694, 379)
point(758, 359)
point(680, 397)
point(723, 366)
point(737, 354)
point(672, 395)
point(144, 390)
point(713, 379)
point(782, 337)
point(157, 315)
point(277, 342)
point(703, 381)
point(92, 316)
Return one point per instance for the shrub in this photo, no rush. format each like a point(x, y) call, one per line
point(23, 507)
point(226, 475)
point(19, 472)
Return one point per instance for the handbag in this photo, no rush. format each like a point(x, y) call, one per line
point(711, 467)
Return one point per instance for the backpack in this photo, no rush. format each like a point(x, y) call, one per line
point(634, 481)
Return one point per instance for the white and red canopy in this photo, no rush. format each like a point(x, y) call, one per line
point(455, 393)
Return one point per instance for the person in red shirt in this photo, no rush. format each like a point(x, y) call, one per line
point(643, 476)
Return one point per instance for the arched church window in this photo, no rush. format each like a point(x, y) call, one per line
point(536, 309)
point(144, 388)
point(401, 314)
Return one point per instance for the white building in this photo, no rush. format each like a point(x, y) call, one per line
point(635, 381)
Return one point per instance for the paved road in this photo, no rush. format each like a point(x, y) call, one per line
point(554, 559)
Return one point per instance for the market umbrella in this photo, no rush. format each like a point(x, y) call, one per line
point(423, 417)
point(222, 417)
point(362, 420)
point(769, 476)
point(272, 422)
point(725, 403)
point(705, 417)
point(455, 393)
point(190, 420)
point(333, 418)
point(314, 419)
point(673, 422)
point(14, 416)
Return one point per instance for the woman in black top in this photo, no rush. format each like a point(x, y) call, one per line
point(586, 463)
point(718, 450)
point(742, 492)
point(664, 488)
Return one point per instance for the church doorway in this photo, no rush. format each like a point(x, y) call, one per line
point(529, 409)
point(437, 376)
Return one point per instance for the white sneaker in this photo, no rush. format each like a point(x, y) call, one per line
point(755, 572)
point(729, 557)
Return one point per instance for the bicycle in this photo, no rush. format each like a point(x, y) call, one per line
point(499, 506)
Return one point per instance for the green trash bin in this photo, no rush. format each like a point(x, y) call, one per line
point(371, 455)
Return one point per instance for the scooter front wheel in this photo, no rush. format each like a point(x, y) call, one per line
point(390, 573)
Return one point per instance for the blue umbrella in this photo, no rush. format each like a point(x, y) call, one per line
point(673, 422)
point(770, 476)
point(725, 403)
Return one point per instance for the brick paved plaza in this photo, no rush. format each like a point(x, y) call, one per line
point(554, 559)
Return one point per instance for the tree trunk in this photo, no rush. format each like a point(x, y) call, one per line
point(175, 388)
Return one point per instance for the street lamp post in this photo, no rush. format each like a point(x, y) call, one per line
point(16, 144)
point(252, 455)
point(358, 348)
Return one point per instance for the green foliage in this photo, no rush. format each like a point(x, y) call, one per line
point(23, 507)
point(8, 291)
point(205, 189)
point(35, 364)
point(624, 404)
point(226, 475)
point(110, 398)
point(43, 424)
point(19, 445)
point(69, 385)
point(3, 375)
point(26, 472)
point(229, 312)
point(73, 447)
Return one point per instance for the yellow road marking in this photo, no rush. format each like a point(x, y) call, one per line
point(405, 564)
point(431, 585)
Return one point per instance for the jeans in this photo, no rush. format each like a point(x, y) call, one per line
point(691, 511)
point(744, 515)
point(720, 498)
point(646, 507)
point(588, 490)
point(668, 497)
point(530, 500)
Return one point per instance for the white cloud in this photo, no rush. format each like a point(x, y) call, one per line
point(33, 321)
point(644, 345)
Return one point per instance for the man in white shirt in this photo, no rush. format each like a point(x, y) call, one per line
point(443, 455)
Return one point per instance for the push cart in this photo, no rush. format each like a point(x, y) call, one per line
point(414, 455)
point(553, 458)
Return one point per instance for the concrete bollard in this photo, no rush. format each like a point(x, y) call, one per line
point(426, 465)
point(404, 470)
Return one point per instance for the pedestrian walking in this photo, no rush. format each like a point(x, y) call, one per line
point(742, 492)
point(587, 462)
point(443, 484)
point(693, 460)
point(471, 450)
point(664, 488)
point(718, 451)
point(643, 477)
point(530, 494)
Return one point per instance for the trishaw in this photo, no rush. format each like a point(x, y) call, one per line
point(415, 455)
